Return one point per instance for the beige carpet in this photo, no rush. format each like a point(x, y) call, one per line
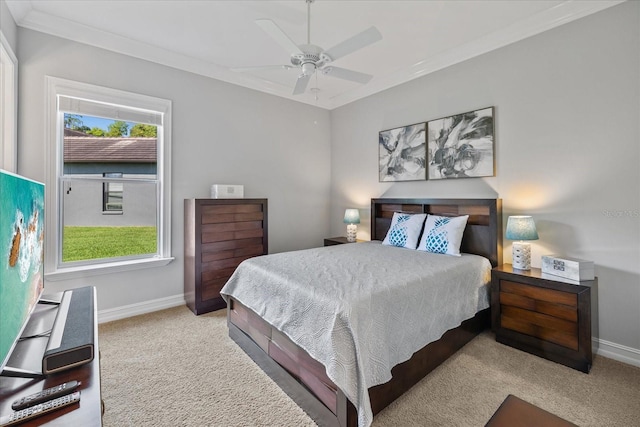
point(172, 368)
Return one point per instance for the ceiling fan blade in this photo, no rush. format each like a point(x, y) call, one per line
point(301, 84)
point(261, 67)
point(354, 43)
point(278, 35)
point(343, 73)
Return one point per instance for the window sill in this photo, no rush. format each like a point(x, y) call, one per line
point(107, 268)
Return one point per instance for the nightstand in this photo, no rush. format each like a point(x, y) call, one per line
point(330, 241)
point(543, 315)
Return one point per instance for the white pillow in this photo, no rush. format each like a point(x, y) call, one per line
point(405, 230)
point(443, 234)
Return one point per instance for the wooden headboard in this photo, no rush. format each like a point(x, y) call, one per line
point(482, 236)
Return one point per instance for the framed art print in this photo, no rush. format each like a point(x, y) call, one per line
point(402, 153)
point(461, 146)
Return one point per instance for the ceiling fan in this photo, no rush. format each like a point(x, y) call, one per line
point(310, 58)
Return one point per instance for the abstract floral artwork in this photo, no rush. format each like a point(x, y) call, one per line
point(402, 153)
point(461, 146)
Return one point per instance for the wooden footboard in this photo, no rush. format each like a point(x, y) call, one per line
point(280, 348)
point(305, 381)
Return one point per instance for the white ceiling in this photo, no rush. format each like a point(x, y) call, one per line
point(210, 37)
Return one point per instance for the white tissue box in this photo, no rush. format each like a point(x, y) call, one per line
point(226, 191)
point(569, 268)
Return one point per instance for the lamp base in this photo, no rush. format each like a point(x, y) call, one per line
point(352, 231)
point(521, 255)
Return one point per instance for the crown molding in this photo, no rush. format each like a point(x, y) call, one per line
point(27, 16)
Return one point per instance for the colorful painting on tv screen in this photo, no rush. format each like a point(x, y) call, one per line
point(21, 252)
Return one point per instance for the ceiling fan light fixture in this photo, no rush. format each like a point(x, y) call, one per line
point(308, 68)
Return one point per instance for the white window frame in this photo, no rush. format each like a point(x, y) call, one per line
point(54, 268)
point(8, 107)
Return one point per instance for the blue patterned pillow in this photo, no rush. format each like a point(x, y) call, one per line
point(443, 234)
point(405, 230)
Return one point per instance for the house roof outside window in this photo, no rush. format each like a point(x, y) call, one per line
point(90, 149)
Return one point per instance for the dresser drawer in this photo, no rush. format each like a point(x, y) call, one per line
point(231, 213)
point(562, 305)
point(535, 293)
point(210, 289)
point(539, 325)
point(232, 253)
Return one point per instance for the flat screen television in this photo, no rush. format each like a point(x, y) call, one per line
point(21, 256)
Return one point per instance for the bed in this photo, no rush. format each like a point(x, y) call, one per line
point(312, 384)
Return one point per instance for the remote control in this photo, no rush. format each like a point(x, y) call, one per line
point(44, 395)
point(17, 417)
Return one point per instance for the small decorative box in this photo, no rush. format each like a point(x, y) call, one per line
point(569, 268)
point(225, 191)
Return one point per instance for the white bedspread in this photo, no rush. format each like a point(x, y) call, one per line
point(360, 309)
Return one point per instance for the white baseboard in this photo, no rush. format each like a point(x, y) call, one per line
point(621, 353)
point(118, 313)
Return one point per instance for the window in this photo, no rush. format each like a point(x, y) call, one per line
point(108, 196)
point(112, 194)
point(8, 103)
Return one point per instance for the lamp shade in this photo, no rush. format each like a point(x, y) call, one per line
point(351, 216)
point(521, 227)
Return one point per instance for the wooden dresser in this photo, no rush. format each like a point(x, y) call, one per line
point(543, 315)
point(218, 235)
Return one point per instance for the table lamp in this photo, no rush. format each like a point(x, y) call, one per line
point(351, 218)
point(521, 228)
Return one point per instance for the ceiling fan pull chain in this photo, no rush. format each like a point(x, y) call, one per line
point(317, 89)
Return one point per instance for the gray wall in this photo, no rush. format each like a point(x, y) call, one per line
point(276, 148)
point(567, 109)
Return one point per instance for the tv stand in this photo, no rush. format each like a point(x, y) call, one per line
point(26, 375)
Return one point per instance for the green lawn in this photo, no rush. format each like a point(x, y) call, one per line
point(82, 243)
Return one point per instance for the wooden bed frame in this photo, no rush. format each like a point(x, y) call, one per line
point(304, 379)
